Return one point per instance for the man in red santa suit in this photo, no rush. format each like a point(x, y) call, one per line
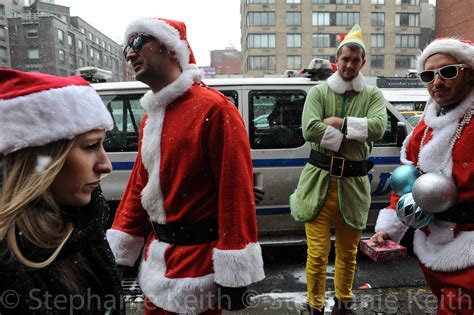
point(192, 183)
point(443, 142)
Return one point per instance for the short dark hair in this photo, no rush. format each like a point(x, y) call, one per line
point(351, 47)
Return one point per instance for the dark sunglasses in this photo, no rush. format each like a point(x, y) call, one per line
point(448, 72)
point(137, 43)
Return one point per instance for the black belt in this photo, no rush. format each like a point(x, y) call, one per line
point(338, 166)
point(460, 213)
point(191, 233)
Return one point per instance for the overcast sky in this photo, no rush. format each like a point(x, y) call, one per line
point(211, 24)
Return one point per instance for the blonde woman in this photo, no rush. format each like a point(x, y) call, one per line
point(54, 258)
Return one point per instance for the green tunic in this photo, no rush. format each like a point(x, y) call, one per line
point(354, 192)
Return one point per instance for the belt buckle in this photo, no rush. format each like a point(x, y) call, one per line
point(336, 169)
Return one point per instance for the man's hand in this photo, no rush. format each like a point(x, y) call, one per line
point(258, 194)
point(380, 237)
point(335, 122)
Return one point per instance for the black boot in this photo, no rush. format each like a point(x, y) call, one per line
point(341, 307)
point(313, 311)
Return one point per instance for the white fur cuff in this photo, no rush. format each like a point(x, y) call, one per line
point(389, 222)
point(125, 247)
point(238, 268)
point(332, 139)
point(357, 128)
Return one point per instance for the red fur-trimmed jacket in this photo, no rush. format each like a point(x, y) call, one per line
point(193, 164)
point(442, 246)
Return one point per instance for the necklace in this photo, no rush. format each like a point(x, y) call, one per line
point(465, 120)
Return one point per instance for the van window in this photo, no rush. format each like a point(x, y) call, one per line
point(233, 96)
point(275, 119)
point(389, 138)
point(127, 115)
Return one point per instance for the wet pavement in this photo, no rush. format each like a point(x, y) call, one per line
point(406, 300)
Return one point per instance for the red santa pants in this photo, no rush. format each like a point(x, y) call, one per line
point(454, 290)
point(151, 309)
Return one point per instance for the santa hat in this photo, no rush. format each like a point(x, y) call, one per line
point(171, 33)
point(462, 50)
point(353, 37)
point(37, 108)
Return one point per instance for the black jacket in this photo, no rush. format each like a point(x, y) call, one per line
point(28, 291)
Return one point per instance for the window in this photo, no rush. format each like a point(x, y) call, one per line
point(61, 55)
point(260, 1)
point(378, 19)
point(377, 2)
point(2, 10)
point(377, 61)
point(275, 119)
point(32, 31)
point(91, 52)
point(90, 36)
point(293, 40)
point(33, 53)
point(72, 60)
point(127, 114)
point(293, 62)
point(293, 1)
point(81, 62)
point(377, 40)
point(82, 30)
point(97, 55)
point(3, 52)
point(405, 62)
point(407, 2)
point(325, 40)
point(335, 18)
point(407, 19)
point(261, 19)
point(80, 45)
point(3, 32)
point(293, 18)
point(390, 136)
point(322, 1)
point(61, 36)
point(70, 40)
point(97, 40)
point(261, 41)
point(407, 41)
point(261, 63)
point(336, 1)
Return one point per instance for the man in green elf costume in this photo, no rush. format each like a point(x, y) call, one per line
point(341, 119)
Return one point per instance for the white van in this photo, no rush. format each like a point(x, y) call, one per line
point(271, 109)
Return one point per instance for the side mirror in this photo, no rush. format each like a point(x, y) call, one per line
point(401, 133)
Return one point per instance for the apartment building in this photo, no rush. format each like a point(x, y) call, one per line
point(454, 18)
point(226, 61)
point(46, 38)
point(286, 34)
point(8, 8)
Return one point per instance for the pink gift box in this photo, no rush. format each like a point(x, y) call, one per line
point(390, 251)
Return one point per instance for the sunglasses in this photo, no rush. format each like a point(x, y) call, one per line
point(447, 72)
point(137, 43)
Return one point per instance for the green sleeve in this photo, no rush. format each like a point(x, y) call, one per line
point(376, 116)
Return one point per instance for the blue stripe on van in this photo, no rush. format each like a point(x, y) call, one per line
point(123, 166)
point(286, 210)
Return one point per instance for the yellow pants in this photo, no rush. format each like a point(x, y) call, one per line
point(318, 236)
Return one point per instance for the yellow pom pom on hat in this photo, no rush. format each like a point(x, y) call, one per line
point(354, 37)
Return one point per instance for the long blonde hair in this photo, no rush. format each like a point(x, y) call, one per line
point(27, 206)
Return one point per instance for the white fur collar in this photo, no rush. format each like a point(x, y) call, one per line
point(338, 85)
point(452, 117)
point(152, 101)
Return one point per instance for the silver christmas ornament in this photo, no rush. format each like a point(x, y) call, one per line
point(411, 214)
point(434, 192)
point(402, 178)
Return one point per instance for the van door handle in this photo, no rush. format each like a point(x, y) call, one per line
point(258, 191)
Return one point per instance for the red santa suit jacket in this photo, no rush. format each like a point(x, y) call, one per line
point(193, 164)
point(443, 246)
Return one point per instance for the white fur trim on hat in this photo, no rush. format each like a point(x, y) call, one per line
point(464, 52)
point(166, 34)
point(50, 115)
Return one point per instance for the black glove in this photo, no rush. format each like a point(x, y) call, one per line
point(258, 194)
point(233, 299)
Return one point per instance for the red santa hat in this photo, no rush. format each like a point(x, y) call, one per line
point(171, 33)
point(462, 50)
point(37, 108)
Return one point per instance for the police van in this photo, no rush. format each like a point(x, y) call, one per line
point(271, 109)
